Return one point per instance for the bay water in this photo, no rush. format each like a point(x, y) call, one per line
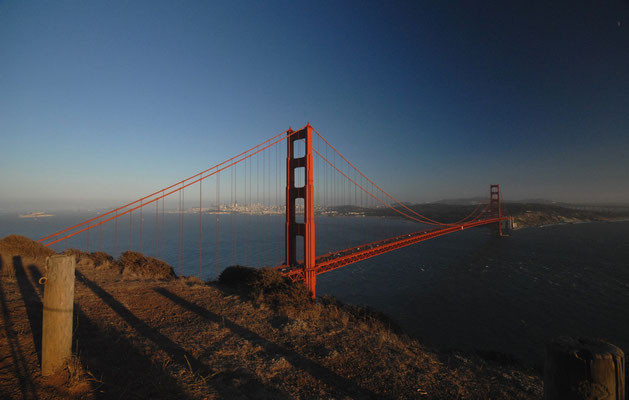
point(469, 290)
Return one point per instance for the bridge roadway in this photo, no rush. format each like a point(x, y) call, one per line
point(338, 259)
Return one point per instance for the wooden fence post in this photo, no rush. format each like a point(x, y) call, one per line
point(584, 369)
point(58, 309)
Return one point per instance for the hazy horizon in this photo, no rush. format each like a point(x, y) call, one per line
point(26, 206)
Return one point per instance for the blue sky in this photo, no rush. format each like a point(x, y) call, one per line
point(102, 102)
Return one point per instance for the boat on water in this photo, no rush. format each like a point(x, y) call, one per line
point(39, 214)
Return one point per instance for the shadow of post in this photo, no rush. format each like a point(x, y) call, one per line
point(20, 366)
point(173, 349)
point(110, 357)
point(313, 368)
point(33, 303)
point(179, 355)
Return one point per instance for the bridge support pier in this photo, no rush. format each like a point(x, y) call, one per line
point(306, 229)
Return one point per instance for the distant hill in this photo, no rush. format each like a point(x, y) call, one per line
point(535, 201)
point(532, 213)
point(581, 205)
point(462, 202)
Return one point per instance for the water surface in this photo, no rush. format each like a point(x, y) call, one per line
point(470, 290)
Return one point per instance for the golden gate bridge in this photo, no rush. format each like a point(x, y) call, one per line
point(316, 181)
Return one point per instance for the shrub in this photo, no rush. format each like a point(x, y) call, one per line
point(267, 285)
point(79, 255)
point(238, 275)
point(101, 258)
point(137, 265)
point(17, 244)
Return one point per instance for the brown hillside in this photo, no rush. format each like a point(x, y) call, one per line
point(185, 339)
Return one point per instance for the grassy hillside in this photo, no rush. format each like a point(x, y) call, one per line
point(142, 332)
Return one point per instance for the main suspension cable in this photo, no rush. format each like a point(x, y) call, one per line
point(169, 193)
point(162, 190)
point(427, 220)
point(377, 199)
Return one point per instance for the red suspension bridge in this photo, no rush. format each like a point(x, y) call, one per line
point(268, 213)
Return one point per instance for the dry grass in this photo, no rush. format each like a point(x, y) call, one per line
point(17, 244)
point(101, 258)
point(7, 271)
point(71, 382)
point(253, 334)
point(132, 265)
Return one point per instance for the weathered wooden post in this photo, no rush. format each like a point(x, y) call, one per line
point(583, 369)
point(58, 309)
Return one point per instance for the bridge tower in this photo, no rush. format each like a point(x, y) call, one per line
point(494, 205)
point(306, 229)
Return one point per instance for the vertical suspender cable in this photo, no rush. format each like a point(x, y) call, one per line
point(183, 206)
point(345, 201)
point(130, 228)
point(318, 189)
point(156, 228)
point(334, 178)
point(100, 238)
point(264, 198)
point(363, 206)
point(180, 253)
point(258, 213)
point(251, 206)
point(235, 209)
point(141, 223)
point(116, 235)
point(140, 226)
point(161, 250)
point(268, 193)
point(179, 232)
point(245, 208)
point(355, 224)
point(218, 221)
point(277, 190)
point(265, 191)
point(231, 217)
point(200, 226)
point(325, 184)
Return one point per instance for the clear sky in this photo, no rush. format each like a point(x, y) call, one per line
point(103, 101)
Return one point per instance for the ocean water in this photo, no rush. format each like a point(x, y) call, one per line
point(470, 290)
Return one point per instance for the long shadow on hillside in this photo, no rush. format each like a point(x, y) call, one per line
point(318, 371)
point(182, 357)
point(113, 360)
point(20, 365)
point(33, 303)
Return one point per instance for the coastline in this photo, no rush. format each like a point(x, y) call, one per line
point(587, 221)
